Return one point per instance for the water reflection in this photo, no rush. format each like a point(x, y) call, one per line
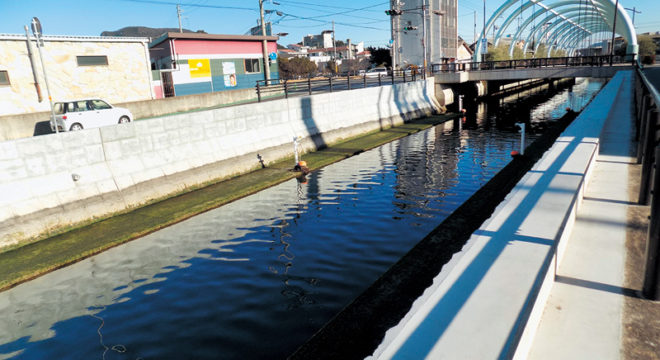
point(255, 278)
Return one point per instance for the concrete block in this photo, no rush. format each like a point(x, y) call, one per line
point(123, 181)
point(106, 186)
point(146, 175)
point(11, 170)
point(49, 184)
point(117, 132)
point(13, 192)
point(94, 154)
point(57, 162)
point(160, 141)
point(92, 173)
point(236, 125)
point(36, 166)
point(79, 192)
point(126, 165)
point(112, 150)
point(32, 205)
point(150, 126)
point(80, 139)
point(8, 150)
point(175, 167)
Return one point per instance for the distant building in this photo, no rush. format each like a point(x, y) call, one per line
point(191, 63)
point(114, 68)
point(324, 40)
point(464, 52)
point(441, 32)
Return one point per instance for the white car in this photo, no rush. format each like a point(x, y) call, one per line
point(376, 72)
point(88, 113)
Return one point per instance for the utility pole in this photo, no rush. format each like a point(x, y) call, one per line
point(264, 43)
point(424, 33)
point(178, 14)
point(334, 46)
point(474, 33)
point(38, 32)
point(616, 8)
point(634, 11)
point(484, 40)
point(394, 5)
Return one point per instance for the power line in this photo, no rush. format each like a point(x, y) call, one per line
point(160, 2)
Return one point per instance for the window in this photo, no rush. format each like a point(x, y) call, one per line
point(92, 60)
point(252, 66)
point(4, 77)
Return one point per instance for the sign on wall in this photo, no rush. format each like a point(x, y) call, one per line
point(199, 68)
point(229, 72)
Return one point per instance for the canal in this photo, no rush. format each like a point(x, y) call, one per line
point(255, 278)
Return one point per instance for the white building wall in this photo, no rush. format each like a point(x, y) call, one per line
point(127, 77)
point(441, 31)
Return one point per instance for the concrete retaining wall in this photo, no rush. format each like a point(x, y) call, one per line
point(53, 181)
point(26, 125)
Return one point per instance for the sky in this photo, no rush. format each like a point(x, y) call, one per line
point(358, 20)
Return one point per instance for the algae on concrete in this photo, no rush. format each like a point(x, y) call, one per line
point(37, 258)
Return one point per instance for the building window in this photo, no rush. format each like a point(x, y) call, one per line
point(4, 77)
point(92, 60)
point(252, 66)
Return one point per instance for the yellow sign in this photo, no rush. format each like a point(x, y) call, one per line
point(199, 68)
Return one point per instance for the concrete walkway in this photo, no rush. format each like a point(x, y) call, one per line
point(583, 315)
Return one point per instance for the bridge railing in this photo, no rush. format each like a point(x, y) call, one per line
point(600, 60)
point(647, 104)
point(283, 88)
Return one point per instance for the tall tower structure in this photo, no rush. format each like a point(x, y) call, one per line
point(425, 27)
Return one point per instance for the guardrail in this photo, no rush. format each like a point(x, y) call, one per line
point(600, 60)
point(647, 103)
point(281, 88)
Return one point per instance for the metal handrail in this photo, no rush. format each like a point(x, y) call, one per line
point(647, 102)
point(278, 88)
point(592, 60)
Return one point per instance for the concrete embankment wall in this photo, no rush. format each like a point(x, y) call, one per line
point(53, 181)
point(26, 125)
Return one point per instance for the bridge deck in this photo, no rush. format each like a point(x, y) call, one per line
point(528, 73)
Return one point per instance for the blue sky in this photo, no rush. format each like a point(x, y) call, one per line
point(359, 20)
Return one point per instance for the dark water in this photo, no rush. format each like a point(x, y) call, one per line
point(254, 279)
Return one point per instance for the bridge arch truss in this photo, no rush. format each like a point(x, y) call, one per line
point(569, 25)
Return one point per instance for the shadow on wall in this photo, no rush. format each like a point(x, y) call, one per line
point(308, 119)
point(42, 128)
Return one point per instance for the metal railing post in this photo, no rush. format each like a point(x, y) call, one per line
point(286, 89)
point(309, 85)
point(647, 156)
point(651, 287)
point(364, 80)
point(330, 80)
point(348, 81)
point(258, 92)
point(393, 77)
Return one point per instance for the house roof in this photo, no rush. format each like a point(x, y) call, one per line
point(76, 38)
point(200, 36)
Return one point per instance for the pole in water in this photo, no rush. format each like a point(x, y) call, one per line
point(522, 137)
point(295, 149)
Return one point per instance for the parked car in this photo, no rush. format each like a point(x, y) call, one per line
point(361, 72)
point(88, 113)
point(376, 72)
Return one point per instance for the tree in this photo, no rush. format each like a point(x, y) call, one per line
point(647, 48)
point(331, 66)
point(380, 56)
point(296, 67)
point(352, 66)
